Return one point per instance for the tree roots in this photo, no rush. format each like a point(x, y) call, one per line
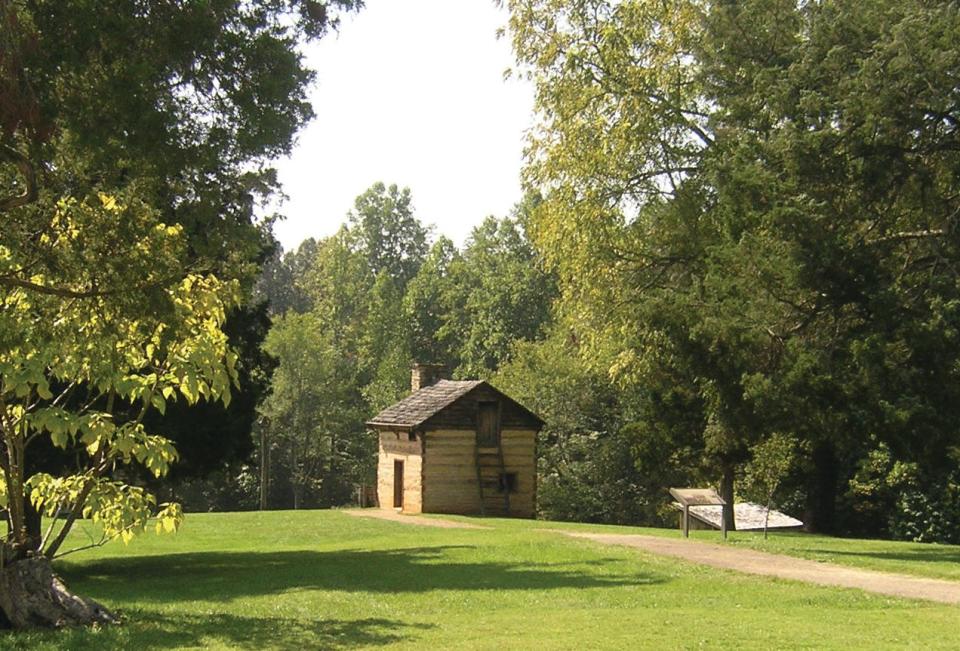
point(32, 596)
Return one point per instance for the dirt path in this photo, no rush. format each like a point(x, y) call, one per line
point(393, 516)
point(786, 567)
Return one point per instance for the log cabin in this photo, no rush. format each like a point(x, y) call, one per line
point(456, 447)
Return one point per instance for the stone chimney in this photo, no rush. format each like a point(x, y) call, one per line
point(423, 375)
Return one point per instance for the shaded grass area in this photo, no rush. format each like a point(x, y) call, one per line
point(323, 580)
point(234, 575)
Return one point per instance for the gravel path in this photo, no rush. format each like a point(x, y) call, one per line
point(785, 567)
point(393, 516)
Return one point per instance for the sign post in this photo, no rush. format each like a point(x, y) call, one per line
point(688, 497)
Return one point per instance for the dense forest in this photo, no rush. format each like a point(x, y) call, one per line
point(738, 252)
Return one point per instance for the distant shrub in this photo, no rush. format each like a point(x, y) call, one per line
point(929, 514)
point(911, 505)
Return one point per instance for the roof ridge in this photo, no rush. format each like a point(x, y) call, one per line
point(420, 405)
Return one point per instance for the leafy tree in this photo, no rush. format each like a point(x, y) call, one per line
point(897, 499)
point(755, 198)
point(502, 296)
point(134, 143)
point(281, 283)
point(338, 285)
point(769, 464)
point(313, 408)
point(84, 373)
point(385, 231)
point(385, 349)
point(427, 304)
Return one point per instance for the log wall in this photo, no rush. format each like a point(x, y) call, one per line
point(450, 472)
point(396, 446)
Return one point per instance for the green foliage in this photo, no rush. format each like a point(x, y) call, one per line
point(313, 409)
point(908, 504)
point(755, 200)
point(187, 120)
point(385, 232)
point(128, 181)
point(770, 461)
point(120, 510)
point(385, 344)
point(426, 306)
point(282, 281)
point(502, 295)
point(65, 364)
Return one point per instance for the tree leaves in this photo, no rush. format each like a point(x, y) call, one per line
point(757, 200)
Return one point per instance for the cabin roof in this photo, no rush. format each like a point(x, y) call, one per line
point(417, 408)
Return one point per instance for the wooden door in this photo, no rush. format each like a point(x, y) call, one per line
point(397, 484)
point(488, 425)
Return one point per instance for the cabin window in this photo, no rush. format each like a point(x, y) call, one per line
point(508, 482)
point(488, 425)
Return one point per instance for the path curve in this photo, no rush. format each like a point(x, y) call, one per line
point(393, 516)
point(785, 567)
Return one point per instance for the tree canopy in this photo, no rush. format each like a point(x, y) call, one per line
point(757, 200)
point(135, 141)
point(379, 296)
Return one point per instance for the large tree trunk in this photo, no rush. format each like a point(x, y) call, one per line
point(32, 596)
point(726, 492)
point(33, 520)
point(822, 491)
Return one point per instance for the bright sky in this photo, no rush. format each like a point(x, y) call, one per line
point(410, 92)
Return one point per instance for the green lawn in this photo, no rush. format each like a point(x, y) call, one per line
point(920, 559)
point(322, 579)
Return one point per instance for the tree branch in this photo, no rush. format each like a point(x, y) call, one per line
point(62, 292)
point(908, 235)
point(29, 194)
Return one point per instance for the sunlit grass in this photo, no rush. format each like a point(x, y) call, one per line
point(325, 580)
point(920, 559)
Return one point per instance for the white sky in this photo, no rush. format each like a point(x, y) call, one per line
point(410, 92)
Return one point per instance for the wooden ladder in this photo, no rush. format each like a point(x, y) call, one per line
point(488, 482)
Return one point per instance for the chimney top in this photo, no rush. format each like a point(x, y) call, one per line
point(424, 375)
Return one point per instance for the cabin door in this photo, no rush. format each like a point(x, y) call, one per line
point(398, 484)
point(488, 425)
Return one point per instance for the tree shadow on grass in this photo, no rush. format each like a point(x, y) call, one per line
point(148, 631)
point(932, 555)
point(223, 576)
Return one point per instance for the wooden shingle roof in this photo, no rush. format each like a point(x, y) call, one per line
point(451, 403)
point(416, 408)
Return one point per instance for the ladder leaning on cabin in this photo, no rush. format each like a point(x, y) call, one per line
point(492, 484)
point(488, 458)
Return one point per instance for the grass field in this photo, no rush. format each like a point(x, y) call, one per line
point(325, 580)
point(919, 559)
